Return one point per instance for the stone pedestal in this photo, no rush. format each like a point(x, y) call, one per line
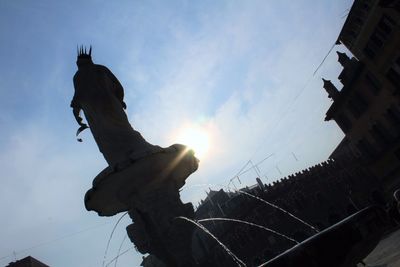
point(148, 189)
point(156, 230)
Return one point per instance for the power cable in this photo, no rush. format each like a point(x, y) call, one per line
point(53, 240)
point(291, 104)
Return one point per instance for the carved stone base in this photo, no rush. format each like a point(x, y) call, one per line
point(149, 189)
point(157, 231)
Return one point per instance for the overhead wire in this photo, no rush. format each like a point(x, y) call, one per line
point(53, 240)
point(274, 167)
point(284, 114)
point(240, 172)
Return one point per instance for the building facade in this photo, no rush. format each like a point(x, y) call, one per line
point(363, 170)
point(367, 107)
point(320, 196)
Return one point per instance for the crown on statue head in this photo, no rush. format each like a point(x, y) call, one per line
point(82, 52)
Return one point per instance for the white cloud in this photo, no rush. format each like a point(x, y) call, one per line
point(255, 116)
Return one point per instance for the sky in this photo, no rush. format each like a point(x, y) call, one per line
point(240, 71)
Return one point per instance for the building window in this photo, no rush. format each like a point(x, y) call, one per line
point(379, 36)
point(393, 73)
point(386, 25)
point(373, 84)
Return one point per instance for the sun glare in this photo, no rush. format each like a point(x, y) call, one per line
point(195, 138)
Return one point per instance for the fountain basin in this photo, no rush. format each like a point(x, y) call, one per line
point(115, 191)
point(344, 244)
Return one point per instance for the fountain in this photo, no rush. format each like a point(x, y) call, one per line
point(251, 224)
point(344, 244)
point(144, 180)
point(280, 209)
point(141, 179)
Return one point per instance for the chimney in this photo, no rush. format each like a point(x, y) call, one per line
point(331, 89)
point(343, 58)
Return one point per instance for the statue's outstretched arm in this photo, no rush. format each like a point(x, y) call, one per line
point(76, 109)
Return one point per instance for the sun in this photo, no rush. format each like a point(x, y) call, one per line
point(196, 139)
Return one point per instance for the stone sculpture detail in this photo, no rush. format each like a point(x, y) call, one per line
point(141, 178)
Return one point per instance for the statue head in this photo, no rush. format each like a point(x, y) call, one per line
point(84, 58)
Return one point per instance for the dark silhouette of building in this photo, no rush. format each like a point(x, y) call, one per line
point(367, 107)
point(27, 262)
point(364, 169)
point(320, 195)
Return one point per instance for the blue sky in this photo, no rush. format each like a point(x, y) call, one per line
point(241, 70)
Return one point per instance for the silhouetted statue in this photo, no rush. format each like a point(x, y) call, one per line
point(101, 97)
point(141, 178)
